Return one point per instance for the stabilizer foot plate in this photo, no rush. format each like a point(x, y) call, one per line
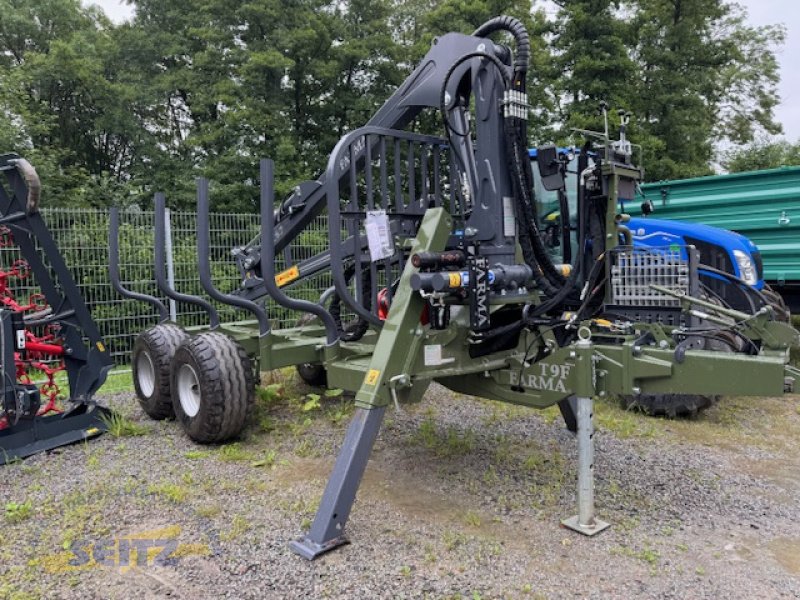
point(310, 549)
point(590, 530)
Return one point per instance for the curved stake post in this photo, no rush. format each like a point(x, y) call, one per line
point(159, 261)
point(114, 275)
point(204, 263)
point(268, 257)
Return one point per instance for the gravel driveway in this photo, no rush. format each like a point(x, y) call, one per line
point(462, 499)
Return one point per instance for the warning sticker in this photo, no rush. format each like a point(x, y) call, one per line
point(285, 277)
point(433, 356)
point(372, 377)
point(379, 236)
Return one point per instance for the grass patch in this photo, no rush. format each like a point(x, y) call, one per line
point(16, 512)
point(646, 554)
point(453, 539)
point(175, 493)
point(446, 444)
point(121, 426)
point(234, 453)
point(239, 526)
point(208, 512)
point(737, 422)
point(196, 454)
point(472, 519)
point(268, 460)
point(611, 416)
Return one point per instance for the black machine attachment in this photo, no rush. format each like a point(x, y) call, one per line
point(44, 337)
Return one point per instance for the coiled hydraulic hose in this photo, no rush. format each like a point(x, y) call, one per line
point(521, 38)
point(547, 277)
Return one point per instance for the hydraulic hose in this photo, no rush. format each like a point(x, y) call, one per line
point(547, 277)
point(516, 29)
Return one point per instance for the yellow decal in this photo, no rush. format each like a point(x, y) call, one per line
point(455, 280)
point(287, 276)
point(100, 346)
point(372, 377)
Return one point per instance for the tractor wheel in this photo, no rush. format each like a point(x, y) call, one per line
point(669, 405)
point(213, 387)
point(152, 354)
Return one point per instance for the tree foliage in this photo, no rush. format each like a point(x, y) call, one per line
point(762, 154)
point(111, 113)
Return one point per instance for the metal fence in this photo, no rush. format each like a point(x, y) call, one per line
point(82, 237)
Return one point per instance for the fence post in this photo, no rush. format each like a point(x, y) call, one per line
point(173, 307)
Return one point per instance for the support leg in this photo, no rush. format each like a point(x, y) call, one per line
point(327, 530)
point(585, 522)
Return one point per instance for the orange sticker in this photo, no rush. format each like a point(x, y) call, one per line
point(372, 377)
point(455, 280)
point(287, 276)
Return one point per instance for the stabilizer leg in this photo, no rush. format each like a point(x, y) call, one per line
point(397, 348)
point(585, 521)
point(327, 530)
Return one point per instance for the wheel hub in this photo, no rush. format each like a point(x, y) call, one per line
point(146, 374)
point(189, 390)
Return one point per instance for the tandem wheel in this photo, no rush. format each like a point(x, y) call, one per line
point(213, 387)
point(152, 355)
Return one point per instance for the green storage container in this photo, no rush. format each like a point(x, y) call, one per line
point(762, 205)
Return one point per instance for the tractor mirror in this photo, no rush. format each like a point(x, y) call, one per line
point(549, 167)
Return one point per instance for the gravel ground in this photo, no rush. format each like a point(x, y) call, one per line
point(462, 498)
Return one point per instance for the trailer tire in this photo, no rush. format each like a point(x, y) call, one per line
point(313, 374)
point(669, 405)
point(151, 358)
point(213, 387)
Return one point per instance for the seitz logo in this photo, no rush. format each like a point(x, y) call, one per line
point(159, 547)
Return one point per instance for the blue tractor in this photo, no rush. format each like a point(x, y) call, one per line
point(729, 264)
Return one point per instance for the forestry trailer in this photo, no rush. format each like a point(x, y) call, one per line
point(440, 274)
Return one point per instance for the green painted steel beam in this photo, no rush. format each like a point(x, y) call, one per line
point(401, 337)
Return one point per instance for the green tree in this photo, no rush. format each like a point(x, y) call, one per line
point(592, 61)
point(704, 77)
point(762, 154)
point(70, 107)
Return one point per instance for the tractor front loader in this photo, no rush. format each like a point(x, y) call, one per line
point(440, 275)
point(50, 333)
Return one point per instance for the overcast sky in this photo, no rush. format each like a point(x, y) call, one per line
point(761, 12)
